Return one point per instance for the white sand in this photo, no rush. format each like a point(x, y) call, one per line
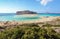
point(42, 19)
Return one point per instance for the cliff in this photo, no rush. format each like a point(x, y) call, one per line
point(25, 12)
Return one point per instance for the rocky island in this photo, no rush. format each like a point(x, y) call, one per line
point(25, 12)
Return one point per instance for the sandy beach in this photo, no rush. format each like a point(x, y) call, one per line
point(42, 19)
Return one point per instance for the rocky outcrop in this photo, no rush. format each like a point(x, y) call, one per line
point(25, 12)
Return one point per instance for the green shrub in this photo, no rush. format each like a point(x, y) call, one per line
point(24, 32)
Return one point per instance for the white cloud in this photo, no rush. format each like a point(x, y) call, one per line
point(44, 2)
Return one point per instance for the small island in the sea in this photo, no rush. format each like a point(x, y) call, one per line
point(25, 12)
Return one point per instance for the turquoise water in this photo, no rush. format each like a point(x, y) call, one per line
point(49, 14)
point(17, 18)
point(11, 17)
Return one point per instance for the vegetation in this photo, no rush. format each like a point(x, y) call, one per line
point(29, 32)
point(49, 25)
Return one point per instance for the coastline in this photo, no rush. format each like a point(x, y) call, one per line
point(41, 20)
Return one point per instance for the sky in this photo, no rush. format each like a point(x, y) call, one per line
point(40, 6)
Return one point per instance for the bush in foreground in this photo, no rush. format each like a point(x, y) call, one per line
point(25, 32)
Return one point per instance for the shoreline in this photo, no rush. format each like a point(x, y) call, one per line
point(41, 20)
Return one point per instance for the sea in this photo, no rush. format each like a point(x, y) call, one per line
point(14, 17)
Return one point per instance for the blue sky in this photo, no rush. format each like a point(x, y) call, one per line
point(8, 6)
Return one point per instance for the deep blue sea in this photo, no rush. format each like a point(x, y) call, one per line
point(13, 16)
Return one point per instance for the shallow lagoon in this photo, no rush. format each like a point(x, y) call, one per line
point(13, 16)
